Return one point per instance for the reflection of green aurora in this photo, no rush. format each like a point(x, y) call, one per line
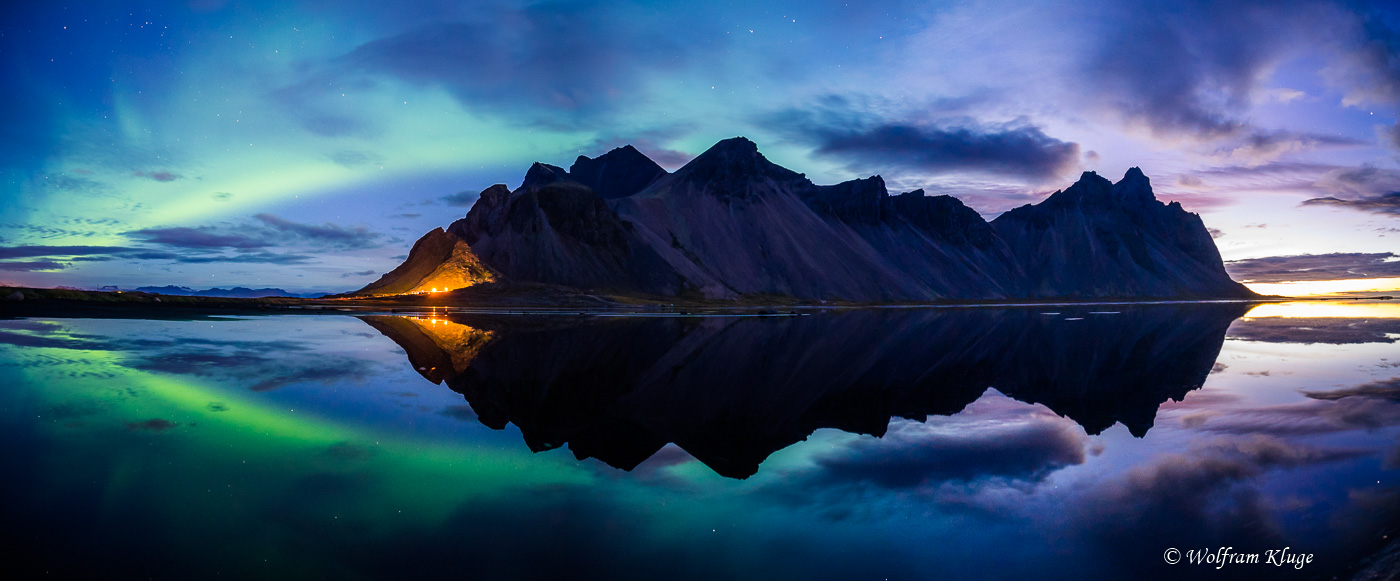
point(225, 456)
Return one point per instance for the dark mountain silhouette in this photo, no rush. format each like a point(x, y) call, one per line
point(616, 174)
point(558, 231)
point(732, 390)
point(1126, 243)
point(731, 223)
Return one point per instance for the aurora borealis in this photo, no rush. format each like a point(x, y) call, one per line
point(306, 145)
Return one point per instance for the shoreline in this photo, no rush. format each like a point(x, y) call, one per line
point(50, 302)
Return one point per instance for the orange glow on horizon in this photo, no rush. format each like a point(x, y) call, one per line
point(1318, 288)
point(1326, 310)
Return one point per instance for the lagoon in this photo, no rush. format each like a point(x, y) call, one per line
point(1071, 442)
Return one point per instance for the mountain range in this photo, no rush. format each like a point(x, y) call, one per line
point(731, 224)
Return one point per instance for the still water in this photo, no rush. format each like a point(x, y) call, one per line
point(1062, 442)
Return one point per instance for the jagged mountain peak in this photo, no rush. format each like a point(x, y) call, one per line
point(871, 187)
point(1134, 188)
point(616, 174)
point(1090, 180)
point(1097, 239)
point(542, 174)
point(735, 151)
point(731, 162)
point(944, 217)
point(1134, 174)
point(625, 152)
point(1092, 189)
point(496, 190)
point(735, 145)
point(874, 181)
point(858, 200)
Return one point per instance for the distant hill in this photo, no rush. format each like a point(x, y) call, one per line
point(731, 223)
point(235, 292)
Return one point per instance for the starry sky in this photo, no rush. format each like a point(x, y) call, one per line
point(306, 145)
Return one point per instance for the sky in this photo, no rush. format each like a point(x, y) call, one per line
point(307, 145)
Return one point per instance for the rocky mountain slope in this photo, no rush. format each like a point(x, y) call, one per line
point(438, 260)
point(1098, 238)
point(731, 223)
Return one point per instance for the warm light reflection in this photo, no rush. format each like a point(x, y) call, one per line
point(1326, 309)
point(459, 342)
point(1314, 288)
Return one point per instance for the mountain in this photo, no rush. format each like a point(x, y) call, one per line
point(1124, 243)
point(438, 260)
point(616, 174)
point(553, 229)
point(235, 292)
point(731, 223)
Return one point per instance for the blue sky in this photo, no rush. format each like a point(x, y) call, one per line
point(307, 145)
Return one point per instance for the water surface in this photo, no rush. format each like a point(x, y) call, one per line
point(1051, 442)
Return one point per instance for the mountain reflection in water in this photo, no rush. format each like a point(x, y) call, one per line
point(730, 391)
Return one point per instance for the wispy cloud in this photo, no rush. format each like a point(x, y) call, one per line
point(33, 251)
point(1261, 146)
point(1388, 203)
point(352, 158)
point(562, 63)
point(1192, 495)
point(267, 239)
point(159, 175)
point(1388, 389)
point(915, 454)
point(1333, 331)
point(462, 199)
point(838, 130)
point(1335, 266)
point(61, 257)
point(199, 237)
point(335, 235)
point(994, 442)
point(31, 266)
point(1193, 68)
point(251, 242)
